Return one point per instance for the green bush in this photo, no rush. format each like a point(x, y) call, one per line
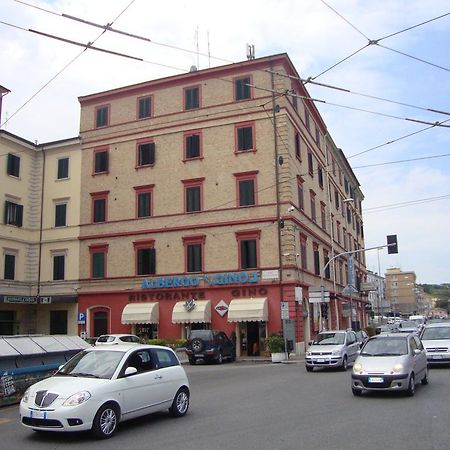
point(275, 343)
point(370, 331)
point(157, 342)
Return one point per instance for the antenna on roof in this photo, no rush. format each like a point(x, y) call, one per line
point(209, 52)
point(196, 46)
point(250, 51)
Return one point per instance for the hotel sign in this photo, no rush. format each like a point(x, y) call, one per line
point(189, 281)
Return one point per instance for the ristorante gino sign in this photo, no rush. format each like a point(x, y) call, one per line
point(218, 279)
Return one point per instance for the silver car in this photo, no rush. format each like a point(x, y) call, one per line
point(334, 348)
point(436, 340)
point(390, 362)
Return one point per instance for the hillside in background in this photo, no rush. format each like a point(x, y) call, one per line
point(439, 291)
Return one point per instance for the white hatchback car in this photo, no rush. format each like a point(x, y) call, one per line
point(99, 387)
point(114, 339)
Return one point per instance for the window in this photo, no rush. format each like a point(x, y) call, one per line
point(313, 205)
point(145, 153)
point(60, 215)
point(298, 153)
point(244, 137)
point(338, 231)
point(320, 176)
point(144, 200)
point(99, 206)
point(294, 100)
point(248, 249)
point(326, 258)
point(58, 267)
point(145, 258)
point(58, 322)
point(192, 145)
point(191, 98)
point(303, 254)
point(301, 199)
point(13, 165)
point(101, 160)
point(101, 116)
point(246, 188)
point(336, 198)
point(63, 168)
point(242, 89)
point(349, 214)
point(145, 107)
point(193, 247)
point(310, 164)
point(317, 136)
point(316, 259)
point(13, 214)
point(193, 195)
point(98, 260)
point(307, 119)
point(322, 215)
point(10, 267)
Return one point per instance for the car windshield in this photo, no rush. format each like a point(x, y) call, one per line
point(417, 321)
point(436, 333)
point(92, 364)
point(408, 324)
point(200, 334)
point(385, 347)
point(329, 339)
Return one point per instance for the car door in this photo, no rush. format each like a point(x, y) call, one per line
point(169, 371)
point(352, 346)
point(141, 391)
point(226, 344)
point(420, 358)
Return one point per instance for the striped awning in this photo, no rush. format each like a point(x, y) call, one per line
point(248, 310)
point(198, 311)
point(140, 313)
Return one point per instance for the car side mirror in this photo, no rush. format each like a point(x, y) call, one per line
point(310, 342)
point(417, 351)
point(130, 371)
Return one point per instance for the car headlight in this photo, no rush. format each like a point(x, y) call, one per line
point(336, 352)
point(357, 367)
point(26, 396)
point(308, 353)
point(77, 399)
point(398, 368)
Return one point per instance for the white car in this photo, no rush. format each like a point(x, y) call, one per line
point(436, 340)
point(114, 339)
point(99, 387)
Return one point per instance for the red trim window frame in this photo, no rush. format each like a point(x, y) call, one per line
point(99, 196)
point(103, 149)
point(190, 133)
point(138, 144)
point(138, 101)
point(312, 201)
point(248, 235)
point(196, 86)
point(108, 115)
point(242, 77)
point(194, 240)
point(238, 127)
point(303, 251)
point(316, 254)
point(96, 249)
point(143, 244)
point(187, 184)
point(246, 176)
point(145, 189)
point(298, 145)
point(326, 256)
point(323, 216)
point(310, 163)
point(301, 193)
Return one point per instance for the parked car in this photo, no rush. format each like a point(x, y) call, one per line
point(209, 345)
point(114, 339)
point(99, 387)
point(335, 348)
point(390, 362)
point(436, 340)
point(361, 337)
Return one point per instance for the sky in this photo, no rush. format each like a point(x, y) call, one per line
point(406, 183)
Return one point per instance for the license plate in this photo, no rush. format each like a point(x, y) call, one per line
point(437, 357)
point(38, 414)
point(321, 360)
point(376, 380)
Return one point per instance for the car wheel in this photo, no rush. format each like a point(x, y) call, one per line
point(309, 369)
point(425, 379)
point(197, 345)
point(356, 392)
point(220, 358)
point(411, 386)
point(191, 361)
point(105, 422)
point(180, 404)
point(344, 365)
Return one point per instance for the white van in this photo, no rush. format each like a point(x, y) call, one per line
point(419, 319)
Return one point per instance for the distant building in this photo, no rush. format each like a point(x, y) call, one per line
point(377, 297)
point(401, 291)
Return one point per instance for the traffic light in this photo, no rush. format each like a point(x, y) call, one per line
point(392, 243)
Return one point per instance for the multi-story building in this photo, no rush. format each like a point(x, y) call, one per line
point(208, 199)
point(377, 297)
point(39, 245)
point(401, 291)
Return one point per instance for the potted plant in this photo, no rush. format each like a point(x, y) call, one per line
point(275, 344)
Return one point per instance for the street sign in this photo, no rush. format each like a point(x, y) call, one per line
point(81, 318)
point(284, 310)
point(315, 295)
point(299, 295)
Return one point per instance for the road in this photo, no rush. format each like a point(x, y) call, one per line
point(270, 406)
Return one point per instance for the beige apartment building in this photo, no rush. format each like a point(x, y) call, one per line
point(39, 193)
point(401, 291)
point(215, 199)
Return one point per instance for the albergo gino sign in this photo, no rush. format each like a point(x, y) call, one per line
point(218, 279)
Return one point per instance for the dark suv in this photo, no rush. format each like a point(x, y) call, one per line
point(209, 345)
